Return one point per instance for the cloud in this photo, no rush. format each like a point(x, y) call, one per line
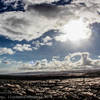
point(24, 47)
point(55, 64)
point(28, 2)
point(85, 62)
point(6, 51)
point(75, 30)
point(46, 2)
point(47, 41)
point(98, 56)
point(38, 19)
point(7, 2)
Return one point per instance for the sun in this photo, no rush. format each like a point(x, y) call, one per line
point(75, 30)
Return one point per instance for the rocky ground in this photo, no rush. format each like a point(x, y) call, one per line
point(66, 89)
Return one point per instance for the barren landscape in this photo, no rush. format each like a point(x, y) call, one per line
point(65, 88)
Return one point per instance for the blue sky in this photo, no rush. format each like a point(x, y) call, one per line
point(32, 34)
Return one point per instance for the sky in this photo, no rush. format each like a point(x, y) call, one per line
point(49, 35)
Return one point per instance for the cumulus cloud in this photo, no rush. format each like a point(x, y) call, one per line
point(85, 62)
point(6, 51)
point(47, 41)
point(38, 19)
point(24, 47)
point(30, 24)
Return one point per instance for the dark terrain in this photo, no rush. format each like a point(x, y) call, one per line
point(86, 87)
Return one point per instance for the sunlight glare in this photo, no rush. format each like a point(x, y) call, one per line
point(76, 30)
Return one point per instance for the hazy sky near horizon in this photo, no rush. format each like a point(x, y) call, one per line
point(49, 35)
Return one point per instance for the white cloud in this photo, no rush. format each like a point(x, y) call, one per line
point(47, 41)
point(61, 38)
point(30, 24)
point(85, 62)
point(28, 2)
point(37, 20)
point(9, 1)
point(75, 30)
point(6, 51)
point(86, 1)
point(24, 47)
point(98, 56)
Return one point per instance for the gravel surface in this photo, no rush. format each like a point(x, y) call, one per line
point(66, 89)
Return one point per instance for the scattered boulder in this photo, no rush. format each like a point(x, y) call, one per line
point(10, 85)
point(30, 91)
